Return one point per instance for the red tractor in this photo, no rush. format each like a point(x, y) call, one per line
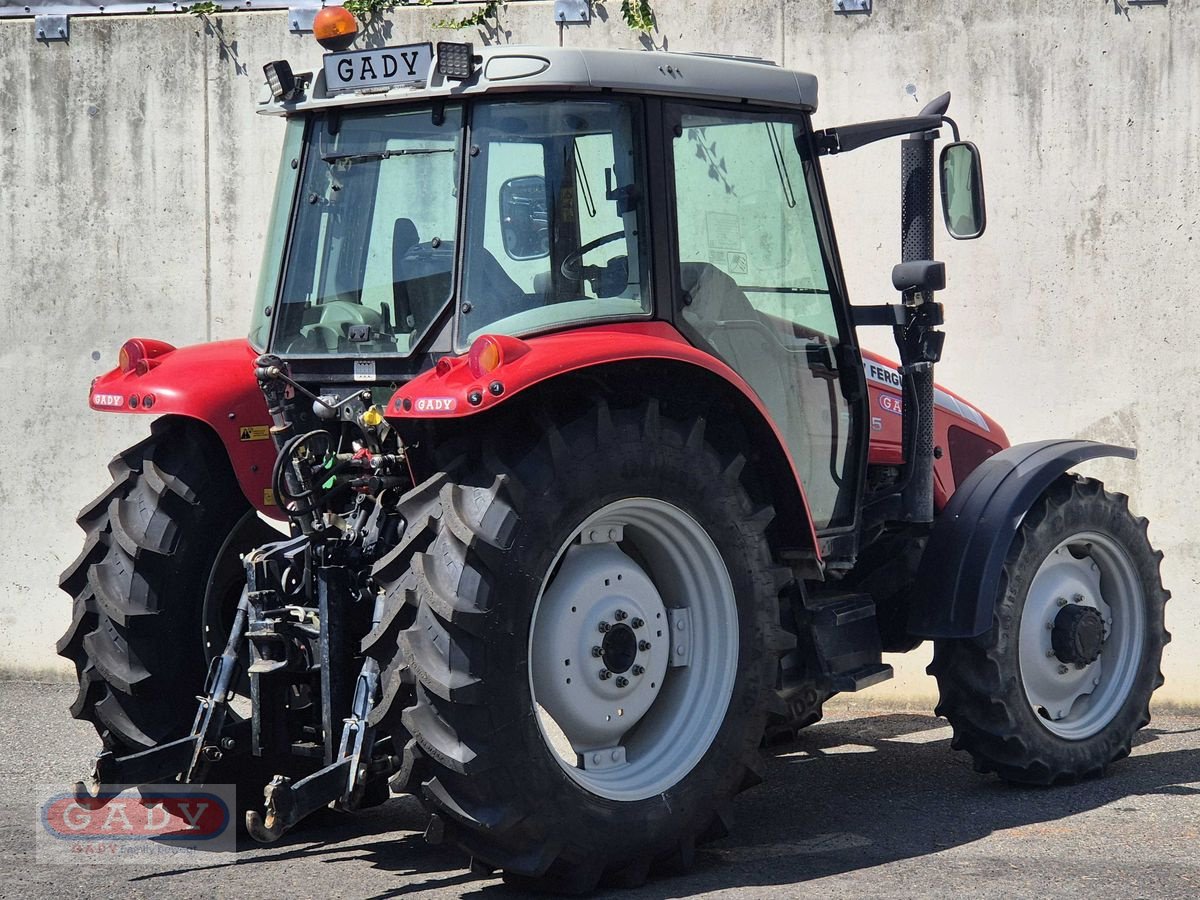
point(586, 485)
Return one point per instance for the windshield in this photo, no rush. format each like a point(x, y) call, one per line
point(371, 257)
point(555, 222)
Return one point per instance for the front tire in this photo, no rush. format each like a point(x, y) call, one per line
point(1058, 687)
point(625, 519)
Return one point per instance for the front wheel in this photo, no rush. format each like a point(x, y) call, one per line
point(1058, 687)
point(594, 644)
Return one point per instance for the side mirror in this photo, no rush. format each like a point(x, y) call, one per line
point(524, 217)
point(962, 191)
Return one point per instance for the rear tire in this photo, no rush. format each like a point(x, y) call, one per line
point(486, 596)
point(159, 538)
point(1058, 687)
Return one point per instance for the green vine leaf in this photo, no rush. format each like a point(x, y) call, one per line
point(487, 16)
point(204, 8)
point(365, 10)
point(638, 15)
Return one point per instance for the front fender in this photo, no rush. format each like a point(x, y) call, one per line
point(955, 589)
point(213, 383)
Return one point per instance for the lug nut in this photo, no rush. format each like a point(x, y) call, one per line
point(622, 681)
point(605, 627)
point(620, 615)
point(637, 623)
point(597, 652)
point(1062, 670)
point(1061, 601)
point(643, 645)
point(1078, 598)
point(638, 670)
point(605, 674)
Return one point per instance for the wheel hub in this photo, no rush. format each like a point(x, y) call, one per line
point(619, 649)
point(593, 671)
point(1078, 635)
point(1081, 631)
point(633, 649)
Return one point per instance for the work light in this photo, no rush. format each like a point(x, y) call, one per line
point(455, 61)
point(280, 79)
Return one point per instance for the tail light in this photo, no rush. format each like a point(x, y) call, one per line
point(485, 356)
point(491, 351)
point(140, 355)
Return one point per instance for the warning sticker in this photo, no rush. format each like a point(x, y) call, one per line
point(724, 231)
point(364, 370)
point(254, 432)
point(268, 497)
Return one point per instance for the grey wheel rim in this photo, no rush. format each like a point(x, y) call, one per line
point(633, 649)
point(1088, 578)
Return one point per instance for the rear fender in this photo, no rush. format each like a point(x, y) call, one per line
point(214, 384)
point(456, 389)
point(955, 590)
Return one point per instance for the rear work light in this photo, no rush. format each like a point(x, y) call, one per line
point(455, 61)
point(335, 28)
point(280, 79)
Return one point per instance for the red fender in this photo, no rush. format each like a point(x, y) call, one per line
point(499, 367)
point(213, 383)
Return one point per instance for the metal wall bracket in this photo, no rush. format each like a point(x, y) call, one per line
point(300, 18)
point(572, 12)
point(51, 28)
point(848, 7)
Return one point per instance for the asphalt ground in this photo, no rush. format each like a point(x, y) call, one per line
point(863, 804)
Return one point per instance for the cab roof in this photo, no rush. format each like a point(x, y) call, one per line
point(515, 68)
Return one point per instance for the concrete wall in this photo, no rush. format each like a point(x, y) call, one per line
point(134, 179)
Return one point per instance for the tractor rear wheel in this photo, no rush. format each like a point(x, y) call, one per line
point(593, 633)
point(155, 585)
point(1058, 687)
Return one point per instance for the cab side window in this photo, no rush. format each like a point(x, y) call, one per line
point(755, 290)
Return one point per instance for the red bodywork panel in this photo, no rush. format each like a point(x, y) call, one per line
point(950, 411)
point(214, 383)
point(443, 392)
point(210, 382)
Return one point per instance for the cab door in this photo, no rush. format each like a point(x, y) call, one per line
point(757, 290)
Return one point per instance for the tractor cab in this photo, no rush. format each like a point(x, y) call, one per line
point(432, 199)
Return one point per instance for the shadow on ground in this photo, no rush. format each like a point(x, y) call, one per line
point(846, 795)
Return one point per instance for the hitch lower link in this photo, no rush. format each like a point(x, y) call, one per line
point(213, 737)
point(341, 782)
point(187, 759)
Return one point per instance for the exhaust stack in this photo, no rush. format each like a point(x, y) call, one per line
point(917, 277)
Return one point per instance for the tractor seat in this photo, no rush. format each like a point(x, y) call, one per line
point(734, 331)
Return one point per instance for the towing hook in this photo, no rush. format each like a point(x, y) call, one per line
point(278, 796)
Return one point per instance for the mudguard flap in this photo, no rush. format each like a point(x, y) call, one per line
point(955, 588)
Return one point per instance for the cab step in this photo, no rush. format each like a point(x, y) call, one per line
point(865, 677)
point(843, 637)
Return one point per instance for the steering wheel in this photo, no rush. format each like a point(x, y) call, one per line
point(570, 267)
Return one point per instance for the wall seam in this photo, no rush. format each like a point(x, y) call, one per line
point(208, 329)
